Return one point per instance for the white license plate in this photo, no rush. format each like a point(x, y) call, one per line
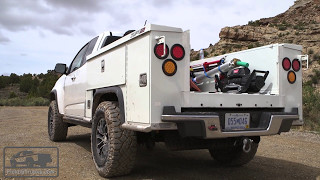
point(237, 121)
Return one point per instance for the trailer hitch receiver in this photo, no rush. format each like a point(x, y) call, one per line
point(247, 143)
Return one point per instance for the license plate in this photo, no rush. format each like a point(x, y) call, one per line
point(237, 121)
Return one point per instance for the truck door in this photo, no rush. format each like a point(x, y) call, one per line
point(76, 82)
point(75, 86)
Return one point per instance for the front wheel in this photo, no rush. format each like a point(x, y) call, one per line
point(233, 155)
point(113, 148)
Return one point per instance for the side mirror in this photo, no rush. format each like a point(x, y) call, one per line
point(60, 68)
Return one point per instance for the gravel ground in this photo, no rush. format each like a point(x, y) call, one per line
point(293, 155)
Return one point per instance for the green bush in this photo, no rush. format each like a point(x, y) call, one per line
point(12, 95)
point(4, 81)
point(14, 78)
point(311, 106)
point(254, 23)
point(257, 44)
point(238, 46)
point(282, 28)
point(250, 46)
point(299, 26)
point(35, 101)
point(316, 57)
point(310, 51)
point(205, 53)
point(26, 83)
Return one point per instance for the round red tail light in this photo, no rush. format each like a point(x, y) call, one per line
point(158, 51)
point(177, 52)
point(296, 65)
point(286, 63)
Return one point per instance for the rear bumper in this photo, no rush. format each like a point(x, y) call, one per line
point(209, 126)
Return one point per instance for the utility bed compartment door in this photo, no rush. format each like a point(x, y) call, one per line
point(138, 97)
point(107, 69)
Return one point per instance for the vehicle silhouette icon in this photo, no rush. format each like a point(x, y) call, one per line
point(30, 159)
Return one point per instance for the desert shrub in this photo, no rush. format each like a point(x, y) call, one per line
point(14, 78)
point(4, 81)
point(311, 106)
point(34, 101)
point(289, 41)
point(280, 35)
point(282, 28)
point(257, 44)
point(12, 95)
point(26, 83)
point(310, 51)
point(254, 23)
point(299, 26)
point(250, 46)
point(205, 53)
point(238, 46)
point(316, 57)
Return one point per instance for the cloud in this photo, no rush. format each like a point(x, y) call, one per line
point(60, 17)
point(3, 39)
point(79, 5)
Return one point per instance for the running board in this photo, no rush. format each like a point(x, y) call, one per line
point(77, 121)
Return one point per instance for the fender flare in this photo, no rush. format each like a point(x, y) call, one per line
point(53, 96)
point(109, 90)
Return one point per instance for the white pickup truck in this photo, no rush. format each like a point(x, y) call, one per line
point(141, 88)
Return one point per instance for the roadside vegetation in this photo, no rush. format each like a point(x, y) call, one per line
point(26, 89)
point(311, 103)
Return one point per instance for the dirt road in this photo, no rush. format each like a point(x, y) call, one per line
point(293, 155)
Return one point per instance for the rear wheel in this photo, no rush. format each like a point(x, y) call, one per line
point(233, 155)
point(113, 148)
point(57, 129)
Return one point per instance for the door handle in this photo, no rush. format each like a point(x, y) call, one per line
point(73, 78)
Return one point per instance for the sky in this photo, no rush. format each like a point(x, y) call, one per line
point(37, 34)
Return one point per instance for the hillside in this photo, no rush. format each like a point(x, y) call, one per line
point(300, 24)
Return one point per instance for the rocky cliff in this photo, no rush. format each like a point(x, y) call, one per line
point(300, 24)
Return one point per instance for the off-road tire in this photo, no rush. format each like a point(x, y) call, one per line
point(233, 155)
point(57, 129)
point(113, 148)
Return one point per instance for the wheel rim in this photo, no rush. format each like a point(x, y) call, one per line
point(50, 121)
point(102, 139)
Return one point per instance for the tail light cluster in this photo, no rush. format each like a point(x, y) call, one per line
point(169, 66)
point(287, 65)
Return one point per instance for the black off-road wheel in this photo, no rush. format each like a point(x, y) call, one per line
point(57, 129)
point(113, 148)
point(233, 155)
